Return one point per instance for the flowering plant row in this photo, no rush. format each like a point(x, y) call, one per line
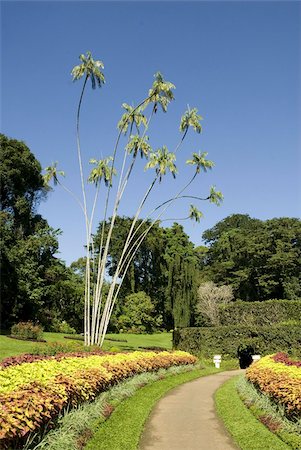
point(279, 380)
point(29, 358)
point(285, 359)
point(34, 394)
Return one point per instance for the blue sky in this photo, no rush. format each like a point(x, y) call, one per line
point(237, 62)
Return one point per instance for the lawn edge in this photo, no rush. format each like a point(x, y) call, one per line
point(150, 394)
point(246, 430)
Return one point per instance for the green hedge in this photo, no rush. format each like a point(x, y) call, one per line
point(226, 340)
point(268, 312)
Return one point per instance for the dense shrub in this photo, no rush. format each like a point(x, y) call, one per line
point(27, 330)
point(269, 312)
point(226, 340)
point(33, 395)
point(61, 326)
point(279, 380)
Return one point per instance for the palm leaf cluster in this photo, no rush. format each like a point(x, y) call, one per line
point(161, 92)
point(103, 170)
point(139, 144)
point(162, 161)
point(199, 160)
point(132, 116)
point(91, 69)
point(191, 118)
point(52, 174)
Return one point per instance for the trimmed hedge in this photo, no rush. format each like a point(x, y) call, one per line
point(226, 340)
point(268, 312)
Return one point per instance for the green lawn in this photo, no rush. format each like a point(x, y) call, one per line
point(13, 347)
point(123, 429)
point(246, 430)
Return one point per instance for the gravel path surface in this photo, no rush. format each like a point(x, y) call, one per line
point(186, 419)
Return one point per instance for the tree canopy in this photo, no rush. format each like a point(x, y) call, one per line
point(260, 259)
point(35, 284)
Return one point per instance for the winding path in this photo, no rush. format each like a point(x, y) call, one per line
point(185, 419)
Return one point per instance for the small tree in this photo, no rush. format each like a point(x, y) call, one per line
point(138, 314)
point(133, 126)
point(210, 299)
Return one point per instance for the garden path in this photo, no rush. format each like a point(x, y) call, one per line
point(185, 419)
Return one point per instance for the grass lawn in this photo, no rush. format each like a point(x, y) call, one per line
point(13, 347)
point(247, 431)
point(122, 431)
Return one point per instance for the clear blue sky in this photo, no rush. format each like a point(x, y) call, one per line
point(237, 62)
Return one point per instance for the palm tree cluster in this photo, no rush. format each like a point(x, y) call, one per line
point(98, 308)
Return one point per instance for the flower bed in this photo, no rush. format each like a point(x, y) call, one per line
point(34, 394)
point(279, 378)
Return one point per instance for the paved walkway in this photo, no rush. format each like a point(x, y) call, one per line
point(185, 419)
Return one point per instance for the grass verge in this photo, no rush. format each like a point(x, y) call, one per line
point(75, 427)
point(246, 430)
point(13, 347)
point(272, 414)
point(123, 430)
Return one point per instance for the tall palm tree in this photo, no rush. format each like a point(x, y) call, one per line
point(89, 69)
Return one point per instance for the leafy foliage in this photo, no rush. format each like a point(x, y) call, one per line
point(89, 68)
point(191, 118)
point(32, 395)
point(161, 92)
point(138, 314)
point(260, 259)
point(270, 312)
point(280, 381)
point(227, 340)
point(35, 285)
point(27, 330)
point(162, 161)
point(132, 116)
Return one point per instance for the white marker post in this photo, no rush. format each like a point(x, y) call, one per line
point(217, 361)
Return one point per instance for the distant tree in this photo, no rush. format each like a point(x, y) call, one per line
point(260, 259)
point(35, 285)
point(144, 272)
point(138, 314)
point(21, 185)
point(210, 299)
point(180, 272)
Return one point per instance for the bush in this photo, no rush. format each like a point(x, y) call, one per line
point(27, 330)
point(61, 326)
point(268, 312)
point(226, 340)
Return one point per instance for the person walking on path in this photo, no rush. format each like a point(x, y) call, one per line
point(186, 419)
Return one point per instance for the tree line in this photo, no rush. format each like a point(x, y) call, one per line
point(260, 260)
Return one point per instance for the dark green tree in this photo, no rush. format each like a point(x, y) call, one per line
point(144, 272)
point(138, 314)
point(181, 275)
point(35, 285)
point(260, 259)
